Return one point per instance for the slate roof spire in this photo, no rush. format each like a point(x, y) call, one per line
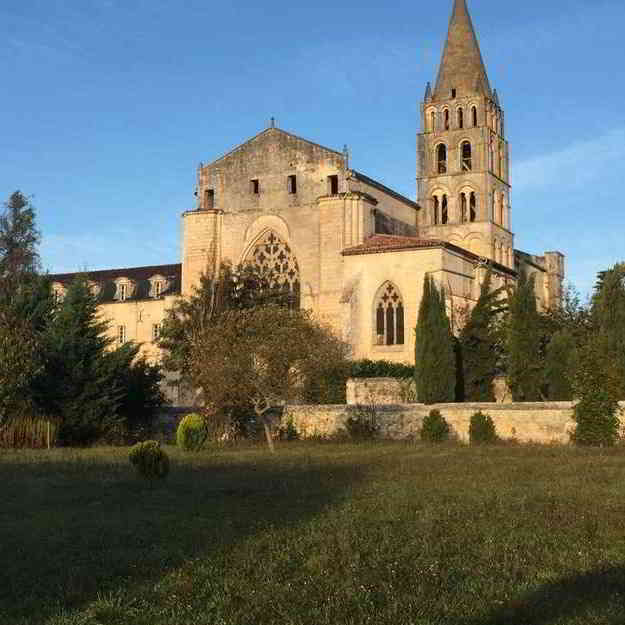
point(462, 67)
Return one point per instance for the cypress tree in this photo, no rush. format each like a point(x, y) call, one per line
point(478, 346)
point(559, 366)
point(524, 341)
point(435, 361)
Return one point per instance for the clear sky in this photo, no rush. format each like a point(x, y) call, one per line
point(109, 105)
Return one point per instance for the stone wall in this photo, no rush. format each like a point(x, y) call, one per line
point(525, 422)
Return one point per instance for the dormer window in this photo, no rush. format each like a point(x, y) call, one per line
point(123, 292)
point(58, 292)
point(124, 289)
point(158, 286)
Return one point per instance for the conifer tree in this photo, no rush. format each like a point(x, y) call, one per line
point(478, 346)
point(524, 341)
point(560, 366)
point(435, 361)
point(77, 384)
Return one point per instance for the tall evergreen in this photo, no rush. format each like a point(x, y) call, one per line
point(77, 383)
point(524, 343)
point(435, 361)
point(478, 346)
point(560, 366)
point(608, 320)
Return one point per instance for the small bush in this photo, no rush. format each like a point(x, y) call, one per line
point(482, 429)
point(363, 424)
point(288, 431)
point(380, 369)
point(150, 460)
point(192, 432)
point(435, 429)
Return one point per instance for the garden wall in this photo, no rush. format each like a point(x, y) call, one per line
point(526, 422)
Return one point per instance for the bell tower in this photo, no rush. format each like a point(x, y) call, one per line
point(462, 171)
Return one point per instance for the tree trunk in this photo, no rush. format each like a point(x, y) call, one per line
point(268, 435)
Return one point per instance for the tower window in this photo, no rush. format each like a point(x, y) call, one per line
point(466, 156)
point(209, 199)
point(333, 185)
point(389, 316)
point(436, 209)
point(453, 93)
point(255, 187)
point(432, 121)
point(446, 118)
point(441, 152)
point(463, 207)
point(444, 211)
point(292, 184)
point(474, 113)
point(472, 207)
point(460, 118)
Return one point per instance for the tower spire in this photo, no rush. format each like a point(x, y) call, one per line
point(462, 67)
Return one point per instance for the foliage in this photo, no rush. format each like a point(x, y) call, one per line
point(435, 369)
point(479, 341)
point(363, 424)
point(524, 342)
point(29, 433)
point(260, 356)
point(435, 428)
point(560, 363)
point(77, 383)
point(150, 461)
point(598, 388)
point(240, 288)
point(380, 369)
point(288, 431)
point(192, 432)
point(482, 429)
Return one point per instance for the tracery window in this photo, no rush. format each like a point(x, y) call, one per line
point(389, 316)
point(275, 261)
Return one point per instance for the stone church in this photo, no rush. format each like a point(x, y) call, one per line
point(354, 251)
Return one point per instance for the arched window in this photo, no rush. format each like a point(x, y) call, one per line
point(389, 316)
point(274, 260)
point(501, 209)
point(433, 121)
point(460, 118)
point(491, 156)
point(474, 114)
point(441, 157)
point(446, 119)
point(466, 156)
point(473, 207)
point(463, 207)
point(501, 160)
point(436, 209)
point(444, 211)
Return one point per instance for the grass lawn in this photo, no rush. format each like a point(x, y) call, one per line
point(386, 533)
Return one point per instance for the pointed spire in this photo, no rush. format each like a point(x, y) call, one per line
point(495, 97)
point(428, 93)
point(462, 67)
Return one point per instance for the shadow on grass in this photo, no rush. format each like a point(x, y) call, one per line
point(70, 532)
point(601, 590)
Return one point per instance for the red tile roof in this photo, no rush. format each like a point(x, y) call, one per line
point(378, 243)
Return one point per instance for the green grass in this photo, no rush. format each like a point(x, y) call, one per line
point(321, 534)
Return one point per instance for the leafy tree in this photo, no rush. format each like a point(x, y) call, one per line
point(524, 342)
point(479, 340)
point(77, 383)
point(259, 356)
point(435, 361)
point(560, 365)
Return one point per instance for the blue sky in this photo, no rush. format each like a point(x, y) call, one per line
point(109, 105)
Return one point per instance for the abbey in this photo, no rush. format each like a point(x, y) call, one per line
point(354, 251)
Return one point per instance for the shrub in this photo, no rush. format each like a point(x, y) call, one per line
point(380, 369)
point(363, 424)
point(435, 428)
point(149, 460)
point(192, 432)
point(482, 429)
point(288, 431)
